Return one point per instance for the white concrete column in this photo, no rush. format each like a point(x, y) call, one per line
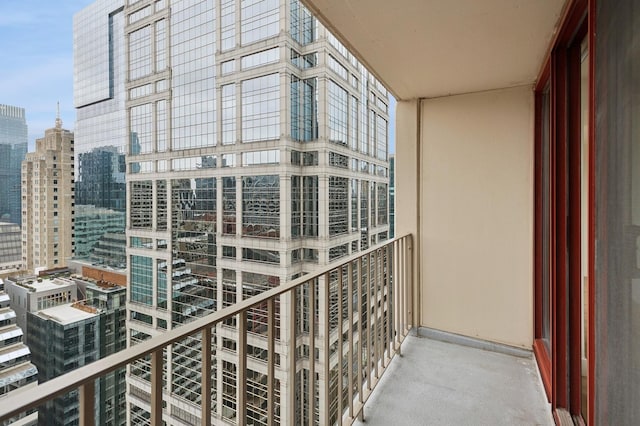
point(408, 184)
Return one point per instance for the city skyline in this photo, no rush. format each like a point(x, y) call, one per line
point(41, 71)
point(38, 37)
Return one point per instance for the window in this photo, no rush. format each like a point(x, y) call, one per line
point(304, 109)
point(303, 24)
point(229, 252)
point(337, 113)
point(261, 157)
point(261, 58)
point(261, 206)
point(229, 205)
point(296, 206)
point(338, 205)
point(338, 160)
point(261, 108)
point(140, 212)
point(140, 53)
point(227, 25)
point(140, 278)
point(310, 206)
point(141, 124)
point(260, 19)
point(228, 114)
point(228, 67)
point(265, 256)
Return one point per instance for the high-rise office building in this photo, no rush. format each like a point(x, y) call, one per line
point(17, 373)
point(100, 129)
point(10, 248)
point(48, 201)
point(256, 151)
point(13, 148)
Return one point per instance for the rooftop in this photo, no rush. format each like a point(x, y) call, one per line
point(68, 313)
point(42, 284)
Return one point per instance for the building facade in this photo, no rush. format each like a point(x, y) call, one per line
point(17, 373)
point(71, 335)
point(13, 148)
point(10, 248)
point(257, 151)
point(48, 201)
point(100, 129)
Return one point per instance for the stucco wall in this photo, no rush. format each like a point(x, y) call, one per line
point(476, 244)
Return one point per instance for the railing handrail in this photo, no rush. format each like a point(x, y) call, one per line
point(18, 402)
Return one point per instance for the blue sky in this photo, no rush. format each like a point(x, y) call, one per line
point(36, 60)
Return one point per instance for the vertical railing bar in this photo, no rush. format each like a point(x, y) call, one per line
point(350, 333)
point(404, 288)
point(371, 321)
point(409, 292)
point(312, 352)
point(156, 388)
point(86, 399)
point(271, 334)
point(381, 308)
point(293, 351)
point(388, 283)
point(360, 319)
point(376, 294)
point(401, 284)
point(241, 377)
point(326, 346)
point(340, 329)
point(414, 303)
point(205, 380)
point(396, 299)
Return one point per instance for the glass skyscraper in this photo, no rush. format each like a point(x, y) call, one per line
point(99, 98)
point(13, 148)
point(256, 150)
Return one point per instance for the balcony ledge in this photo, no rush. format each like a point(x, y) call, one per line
point(442, 383)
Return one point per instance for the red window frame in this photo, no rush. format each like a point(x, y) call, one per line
point(560, 367)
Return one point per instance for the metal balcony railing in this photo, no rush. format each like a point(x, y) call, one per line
point(358, 311)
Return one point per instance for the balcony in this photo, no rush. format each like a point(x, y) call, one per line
point(360, 310)
point(440, 382)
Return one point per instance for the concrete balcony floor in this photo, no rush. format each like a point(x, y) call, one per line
point(439, 383)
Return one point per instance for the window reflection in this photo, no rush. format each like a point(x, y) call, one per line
point(261, 108)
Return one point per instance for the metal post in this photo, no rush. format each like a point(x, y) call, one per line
point(156, 388)
point(241, 385)
point(271, 359)
point(340, 349)
point(312, 352)
point(87, 404)
point(350, 333)
point(205, 380)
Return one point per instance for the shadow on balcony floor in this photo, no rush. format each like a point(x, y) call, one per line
point(438, 383)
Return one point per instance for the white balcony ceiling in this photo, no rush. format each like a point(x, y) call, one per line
point(431, 48)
